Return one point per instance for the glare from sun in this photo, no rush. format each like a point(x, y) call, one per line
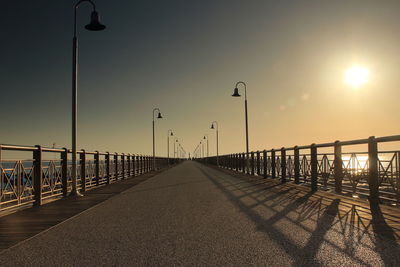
point(356, 76)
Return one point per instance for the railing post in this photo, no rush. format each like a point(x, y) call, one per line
point(123, 165)
point(338, 167)
point(116, 166)
point(64, 171)
point(141, 164)
point(296, 165)
point(134, 164)
point(258, 162)
point(314, 168)
point(265, 158)
point(97, 167)
point(38, 175)
point(283, 165)
point(273, 164)
point(244, 166)
point(252, 162)
point(373, 179)
point(237, 162)
point(83, 170)
point(129, 165)
point(108, 167)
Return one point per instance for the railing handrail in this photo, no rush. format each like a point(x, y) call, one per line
point(9, 147)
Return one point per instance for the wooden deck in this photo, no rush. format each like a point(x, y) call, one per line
point(26, 223)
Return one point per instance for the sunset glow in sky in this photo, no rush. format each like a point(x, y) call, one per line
point(301, 60)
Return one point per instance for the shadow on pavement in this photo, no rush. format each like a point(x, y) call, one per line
point(295, 206)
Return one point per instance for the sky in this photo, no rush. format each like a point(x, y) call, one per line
point(185, 57)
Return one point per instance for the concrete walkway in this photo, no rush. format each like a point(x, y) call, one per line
point(197, 215)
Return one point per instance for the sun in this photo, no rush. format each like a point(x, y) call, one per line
point(356, 76)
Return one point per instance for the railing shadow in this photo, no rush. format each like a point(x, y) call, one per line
point(316, 215)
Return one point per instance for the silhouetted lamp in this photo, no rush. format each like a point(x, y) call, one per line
point(212, 127)
point(169, 133)
point(95, 24)
point(236, 93)
point(154, 137)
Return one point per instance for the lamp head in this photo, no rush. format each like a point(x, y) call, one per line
point(95, 24)
point(204, 137)
point(212, 126)
point(236, 92)
point(159, 115)
point(172, 134)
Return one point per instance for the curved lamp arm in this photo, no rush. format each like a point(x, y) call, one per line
point(156, 109)
point(216, 123)
point(245, 88)
point(76, 9)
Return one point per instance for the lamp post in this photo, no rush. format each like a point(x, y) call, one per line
point(94, 25)
point(236, 94)
point(154, 137)
point(168, 134)
point(202, 148)
point(206, 138)
point(212, 127)
point(175, 141)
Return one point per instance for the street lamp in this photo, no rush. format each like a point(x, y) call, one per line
point(154, 138)
point(168, 134)
point(94, 25)
point(206, 137)
point(236, 94)
point(212, 127)
point(202, 148)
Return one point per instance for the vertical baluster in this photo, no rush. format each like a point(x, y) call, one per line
point(273, 164)
point(373, 180)
point(283, 165)
point(296, 165)
point(258, 163)
point(141, 162)
point(108, 169)
point(237, 162)
point(123, 165)
point(243, 163)
point(83, 170)
point(134, 164)
point(116, 167)
point(265, 158)
point(252, 162)
point(129, 171)
point(64, 171)
point(314, 168)
point(38, 175)
point(97, 167)
point(338, 167)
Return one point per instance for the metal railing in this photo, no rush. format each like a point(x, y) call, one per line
point(46, 174)
point(372, 173)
